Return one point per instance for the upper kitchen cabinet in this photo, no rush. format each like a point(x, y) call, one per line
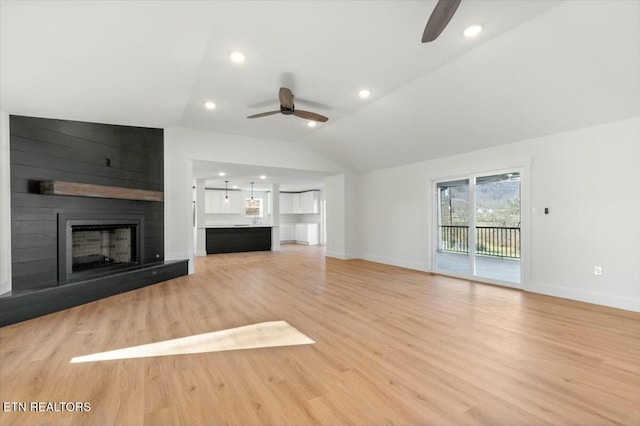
point(300, 202)
point(215, 202)
point(211, 201)
point(286, 203)
point(310, 202)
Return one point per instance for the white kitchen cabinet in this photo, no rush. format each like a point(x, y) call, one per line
point(289, 203)
point(300, 202)
point(295, 203)
point(287, 232)
point(214, 202)
point(234, 206)
point(301, 232)
point(310, 202)
point(307, 233)
point(286, 203)
point(211, 201)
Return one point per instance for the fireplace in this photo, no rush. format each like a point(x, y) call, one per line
point(89, 246)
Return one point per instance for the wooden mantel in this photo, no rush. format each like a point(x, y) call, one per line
point(59, 187)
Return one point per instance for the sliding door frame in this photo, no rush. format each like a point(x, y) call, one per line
point(525, 209)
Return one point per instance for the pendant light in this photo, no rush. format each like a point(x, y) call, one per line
point(252, 191)
point(226, 191)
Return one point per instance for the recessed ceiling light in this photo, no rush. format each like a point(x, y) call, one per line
point(237, 57)
point(209, 105)
point(364, 93)
point(221, 174)
point(472, 31)
point(312, 123)
point(235, 186)
point(263, 177)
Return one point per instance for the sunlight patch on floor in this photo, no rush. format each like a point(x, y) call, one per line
point(261, 335)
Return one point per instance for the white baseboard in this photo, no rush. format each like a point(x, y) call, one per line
point(597, 298)
point(395, 262)
point(200, 253)
point(379, 259)
point(339, 255)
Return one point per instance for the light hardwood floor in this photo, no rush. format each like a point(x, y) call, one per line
point(393, 346)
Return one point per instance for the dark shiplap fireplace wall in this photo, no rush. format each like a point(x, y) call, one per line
point(101, 154)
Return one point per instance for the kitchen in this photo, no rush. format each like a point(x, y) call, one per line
point(233, 208)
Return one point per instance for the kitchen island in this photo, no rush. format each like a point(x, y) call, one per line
point(238, 238)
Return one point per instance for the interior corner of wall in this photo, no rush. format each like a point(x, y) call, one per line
point(335, 254)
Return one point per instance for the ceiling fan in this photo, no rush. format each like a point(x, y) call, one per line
point(440, 17)
point(287, 108)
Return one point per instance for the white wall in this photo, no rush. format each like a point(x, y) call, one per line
point(182, 146)
point(334, 187)
point(343, 229)
point(394, 216)
point(5, 206)
point(589, 180)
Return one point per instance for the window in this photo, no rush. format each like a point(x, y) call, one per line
point(253, 207)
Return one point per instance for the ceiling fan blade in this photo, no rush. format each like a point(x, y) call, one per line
point(310, 115)
point(263, 114)
point(440, 17)
point(286, 98)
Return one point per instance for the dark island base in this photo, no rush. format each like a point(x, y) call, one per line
point(24, 305)
point(239, 239)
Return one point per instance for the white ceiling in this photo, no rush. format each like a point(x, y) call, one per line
point(539, 67)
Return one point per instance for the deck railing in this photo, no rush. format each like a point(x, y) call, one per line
point(490, 240)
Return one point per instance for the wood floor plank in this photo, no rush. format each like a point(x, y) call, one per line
point(393, 346)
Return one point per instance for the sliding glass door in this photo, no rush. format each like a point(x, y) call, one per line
point(454, 216)
point(478, 227)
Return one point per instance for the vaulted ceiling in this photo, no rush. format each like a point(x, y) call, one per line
point(539, 67)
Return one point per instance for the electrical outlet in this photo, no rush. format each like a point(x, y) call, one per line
point(597, 270)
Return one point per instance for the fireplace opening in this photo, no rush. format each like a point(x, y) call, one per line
point(100, 246)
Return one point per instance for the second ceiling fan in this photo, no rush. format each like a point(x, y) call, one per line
point(440, 17)
point(287, 108)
